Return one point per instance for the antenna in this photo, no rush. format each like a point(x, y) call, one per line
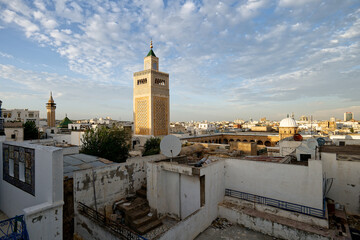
point(170, 146)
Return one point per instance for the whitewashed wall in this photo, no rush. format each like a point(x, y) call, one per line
point(346, 184)
point(290, 183)
point(194, 224)
point(48, 193)
point(112, 182)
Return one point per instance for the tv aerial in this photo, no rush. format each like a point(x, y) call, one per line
point(170, 146)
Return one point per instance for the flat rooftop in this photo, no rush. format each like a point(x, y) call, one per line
point(343, 153)
point(81, 161)
point(264, 158)
point(350, 149)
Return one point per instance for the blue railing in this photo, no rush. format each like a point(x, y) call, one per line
point(293, 207)
point(13, 228)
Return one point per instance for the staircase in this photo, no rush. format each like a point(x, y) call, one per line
point(137, 213)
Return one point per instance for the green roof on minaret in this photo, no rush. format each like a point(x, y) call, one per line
point(151, 52)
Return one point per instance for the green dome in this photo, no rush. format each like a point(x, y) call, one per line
point(64, 123)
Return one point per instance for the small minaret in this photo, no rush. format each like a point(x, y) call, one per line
point(50, 107)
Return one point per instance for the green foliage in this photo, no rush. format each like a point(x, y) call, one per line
point(152, 146)
point(352, 130)
point(110, 143)
point(30, 131)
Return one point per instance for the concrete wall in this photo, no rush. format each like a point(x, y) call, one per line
point(44, 221)
point(288, 147)
point(189, 194)
point(66, 138)
point(19, 134)
point(76, 137)
point(194, 224)
point(248, 148)
point(266, 226)
point(286, 182)
point(346, 184)
point(173, 189)
point(48, 192)
point(112, 182)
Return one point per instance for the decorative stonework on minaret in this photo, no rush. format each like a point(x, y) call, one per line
point(50, 107)
point(151, 98)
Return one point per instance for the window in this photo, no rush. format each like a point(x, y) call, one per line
point(305, 157)
point(202, 190)
point(159, 81)
point(19, 167)
point(13, 136)
point(142, 81)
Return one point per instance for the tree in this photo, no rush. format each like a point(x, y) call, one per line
point(152, 146)
point(110, 143)
point(30, 131)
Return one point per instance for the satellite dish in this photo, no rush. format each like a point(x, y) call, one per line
point(312, 143)
point(170, 146)
point(298, 137)
point(321, 141)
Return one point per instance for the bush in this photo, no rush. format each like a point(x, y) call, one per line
point(152, 146)
point(30, 131)
point(110, 143)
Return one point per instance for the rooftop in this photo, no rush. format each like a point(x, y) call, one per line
point(350, 149)
point(344, 153)
point(81, 161)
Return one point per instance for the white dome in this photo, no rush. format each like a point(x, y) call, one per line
point(288, 122)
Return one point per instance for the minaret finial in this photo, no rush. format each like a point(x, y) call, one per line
point(50, 93)
point(151, 46)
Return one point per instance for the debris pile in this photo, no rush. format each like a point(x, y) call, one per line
point(354, 221)
point(221, 223)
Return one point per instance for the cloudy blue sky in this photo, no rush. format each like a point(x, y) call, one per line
point(227, 60)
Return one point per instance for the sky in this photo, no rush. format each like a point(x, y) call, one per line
point(227, 60)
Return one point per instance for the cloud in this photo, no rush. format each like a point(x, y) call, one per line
point(295, 3)
point(5, 55)
point(65, 90)
point(233, 51)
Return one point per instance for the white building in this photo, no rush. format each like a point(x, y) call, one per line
point(22, 115)
point(207, 127)
point(14, 131)
point(31, 186)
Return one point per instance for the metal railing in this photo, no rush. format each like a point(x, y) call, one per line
point(292, 207)
point(117, 228)
point(13, 228)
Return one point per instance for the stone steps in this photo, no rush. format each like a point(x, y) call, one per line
point(148, 227)
point(143, 221)
point(129, 206)
point(137, 213)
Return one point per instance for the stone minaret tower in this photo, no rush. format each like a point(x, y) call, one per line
point(151, 98)
point(50, 107)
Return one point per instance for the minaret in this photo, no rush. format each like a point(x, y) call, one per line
point(50, 107)
point(151, 98)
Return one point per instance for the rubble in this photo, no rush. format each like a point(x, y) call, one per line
point(221, 223)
